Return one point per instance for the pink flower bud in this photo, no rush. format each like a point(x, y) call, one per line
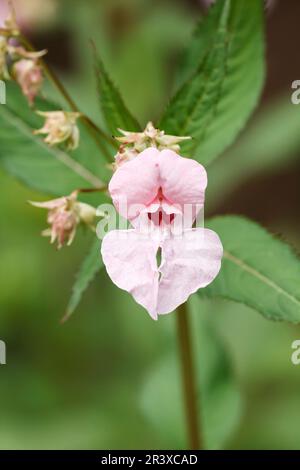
point(28, 73)
point(64, 216)
point(125, 154)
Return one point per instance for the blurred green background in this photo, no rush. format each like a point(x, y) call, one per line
point(79, 385)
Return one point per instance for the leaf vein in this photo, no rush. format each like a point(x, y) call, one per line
point(241, 264)
point(64, 158)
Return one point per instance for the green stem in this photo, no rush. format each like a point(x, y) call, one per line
point(92, 190)
point(188, 378)
point(94, 130)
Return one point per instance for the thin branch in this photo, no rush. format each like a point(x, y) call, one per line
point(92, 190)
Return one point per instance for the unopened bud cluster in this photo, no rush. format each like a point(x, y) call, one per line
point(24, 66)
point(133, 143)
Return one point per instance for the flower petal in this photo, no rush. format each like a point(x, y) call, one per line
point(130, 261)
point(136, 183)
point(189, 262)
point(183, 180)
point(52, 204)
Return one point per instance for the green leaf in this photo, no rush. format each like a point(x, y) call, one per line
point(86, 274)
point(257, 270)
point(220, 402)
point(27, 157)
point(214, 104)
point(271, 142)
point(200, 44)
point(113, 107)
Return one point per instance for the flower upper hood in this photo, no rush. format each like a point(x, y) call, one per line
point(157, 178)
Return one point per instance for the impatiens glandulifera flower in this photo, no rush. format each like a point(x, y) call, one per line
point(65, 214)
point(29, 75)
point(133, 143)
point(60, 127)
point(157, 189)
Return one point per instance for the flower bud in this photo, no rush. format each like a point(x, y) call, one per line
point(60, 127)
point(134, 143)
point(64, 216)
point(125, 154)
point(28, 73)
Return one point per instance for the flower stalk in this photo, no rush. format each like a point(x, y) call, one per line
point(188, 378)
point(101, 189)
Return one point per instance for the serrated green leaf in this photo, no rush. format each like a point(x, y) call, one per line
point(257, 270)
point(200, 44)
point(116, 114)
point(271, 142)
point(86, 274)
point(27, 157)
point(215, 103)
point(220, 402)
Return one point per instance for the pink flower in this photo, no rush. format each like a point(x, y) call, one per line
point(29, 75)
point(156, 188)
